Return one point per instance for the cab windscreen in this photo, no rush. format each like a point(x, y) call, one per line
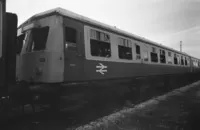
point(38, 39)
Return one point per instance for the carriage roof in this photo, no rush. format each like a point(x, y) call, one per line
point(78, 17)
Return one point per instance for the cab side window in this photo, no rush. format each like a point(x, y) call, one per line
point(70, 37)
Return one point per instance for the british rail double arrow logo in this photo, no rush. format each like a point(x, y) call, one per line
point(101, 68)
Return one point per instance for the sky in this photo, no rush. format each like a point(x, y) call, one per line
point(164, 21)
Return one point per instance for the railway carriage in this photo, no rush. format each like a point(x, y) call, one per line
point(61, 46)
point(58, 48)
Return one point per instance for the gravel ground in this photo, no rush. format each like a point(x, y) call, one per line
point(177, 110)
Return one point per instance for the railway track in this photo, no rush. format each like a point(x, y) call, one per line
point(76, 116)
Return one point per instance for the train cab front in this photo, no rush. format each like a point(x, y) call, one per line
point(41, 57)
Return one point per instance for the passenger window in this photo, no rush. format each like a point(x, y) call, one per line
point(125, 49)
point(162, 56)
point(175, 59)
point(100, 44)
point(154, 55)
point(37, 39)
point(138, 55)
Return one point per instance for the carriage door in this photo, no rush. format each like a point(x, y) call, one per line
point(72, 39)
